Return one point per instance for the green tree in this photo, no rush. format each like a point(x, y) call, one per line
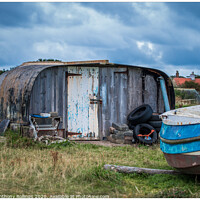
point(191, 84)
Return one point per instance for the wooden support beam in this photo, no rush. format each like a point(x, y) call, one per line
point(138, 170)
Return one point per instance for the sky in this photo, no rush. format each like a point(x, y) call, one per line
point(163, 35)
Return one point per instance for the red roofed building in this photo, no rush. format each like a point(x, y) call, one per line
point(177, 81)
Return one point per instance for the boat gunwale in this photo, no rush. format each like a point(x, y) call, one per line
point(180, 141)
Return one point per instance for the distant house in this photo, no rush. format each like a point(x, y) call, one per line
point(177, 81)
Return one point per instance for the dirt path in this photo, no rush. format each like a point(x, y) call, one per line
point(101, 143)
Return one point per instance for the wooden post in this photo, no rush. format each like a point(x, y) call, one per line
point(129, 170)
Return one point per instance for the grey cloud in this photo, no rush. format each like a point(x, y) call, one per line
point(149, 34)
point(186, 14)
point(18, 14)
point(179, 56)
point(124, 12)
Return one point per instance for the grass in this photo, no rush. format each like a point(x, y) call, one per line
point(184, 106)
point(77, 169)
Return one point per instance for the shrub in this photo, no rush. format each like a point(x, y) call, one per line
point(184, 94)
point(191, 84)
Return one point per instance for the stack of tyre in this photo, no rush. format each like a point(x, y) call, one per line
point(145, 124)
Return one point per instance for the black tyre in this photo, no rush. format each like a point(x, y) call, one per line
point(155, 118)
point(131, 126)
point(140, 115)
point(155, 124)
point(141, 132)
point(158, 129)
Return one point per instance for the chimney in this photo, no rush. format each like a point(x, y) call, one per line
point(177, 74)
point(192, 76)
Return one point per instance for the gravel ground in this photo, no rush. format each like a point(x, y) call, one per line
point(102, 143)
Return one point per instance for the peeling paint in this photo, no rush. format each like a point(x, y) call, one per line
point(82, 115)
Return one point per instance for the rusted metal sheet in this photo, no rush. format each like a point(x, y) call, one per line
point(83, 87)
point(15, 91)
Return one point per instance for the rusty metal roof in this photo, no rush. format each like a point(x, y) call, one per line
point(15, 88)
point(65, 63)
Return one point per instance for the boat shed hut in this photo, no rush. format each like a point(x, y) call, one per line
point(88, 95)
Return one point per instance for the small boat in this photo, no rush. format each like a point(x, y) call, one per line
point(180, 139)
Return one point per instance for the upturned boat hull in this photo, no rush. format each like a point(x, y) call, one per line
point(188, 164)
point(180, 139)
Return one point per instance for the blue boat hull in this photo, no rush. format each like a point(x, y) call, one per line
point(181, 147)
point(177, 133)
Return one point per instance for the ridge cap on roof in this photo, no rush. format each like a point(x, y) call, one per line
point(64, 63)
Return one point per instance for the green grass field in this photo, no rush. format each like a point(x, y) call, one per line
point(27, 168)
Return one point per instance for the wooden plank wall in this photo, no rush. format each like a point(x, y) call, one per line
point(134, 89)
point(123, 92)
point(150, 92)
point(49, 93)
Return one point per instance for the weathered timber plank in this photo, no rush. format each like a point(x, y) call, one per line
point(52, 89)
point(103, 94)
point(64, 93)
point(38, 95)
point(31, 103)
point(115, 97)
point(108, 97)
point(56, 90)
point(134, 88)
point(150, 93)
point(43, 94)
point(60, 91)
point(112, 96)
point(123, 98)
point(130, 170)
point(48, 90)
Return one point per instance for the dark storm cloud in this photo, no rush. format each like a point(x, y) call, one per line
point(31, 14)
point(148, 34)
point(182, 56)
point(18, 14)
point(186, 8)
point(187, 14)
